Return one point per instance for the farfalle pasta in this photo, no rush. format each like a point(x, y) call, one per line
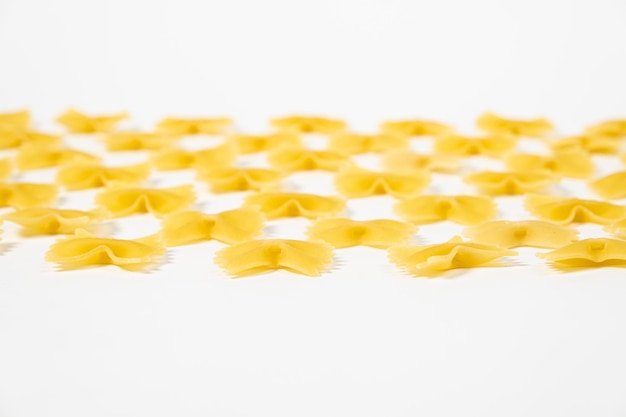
point(6, 168)
point(282, 204)
point(587, 143)
point(80, 176)
point(11, 137)
point(46, 220)
point(610, 128)
point(224, 180)
point(610, 186)
point(573, 163)
point(402, 160)
point(343, 233)
point(135, 141)
point(510, 182)
point(170, 159)
point(232, 226)
point(245, 144)
point(463, 209)
point(255, 256)
point(301, 159)
point(308, 124)
point(22, 195)
point(217, 157)
point(125, 201)
point(194, 126)
point(513, 234)
point(357, 182)
point(18, 119)
point(355, 143)
point(31, 157)
point(495, 124)
point(77, 122)
point(593, 252)
point(493, 146)
point(618, 228)
point(415, 127)
point(565, 210)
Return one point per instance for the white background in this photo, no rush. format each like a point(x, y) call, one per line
point(363, 339)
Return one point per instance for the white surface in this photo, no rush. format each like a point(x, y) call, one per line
point(363, 339)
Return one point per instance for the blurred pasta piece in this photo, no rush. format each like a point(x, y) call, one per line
point(510, 182)
point(194, 126)
point(512, 234)
point(415, 127)
point(587, 143)
point(593, 252)
point(280, 204)
point(32, 156)
point(11, 137)
point(245, 144)
point(302, 159)
point(6, 168)
point(618, 228)
point(573, 163)
point(223, 180)
point(565, 210)
point(493, 146)
point(492, 123)
point(343, 233)
point(18, 119)
point(308, 124)
point(22, 195)
point(611, 187)
point(463, 209)
point(610, 128)
point(358, 182)
point(134, 141)
point(355, 143)
point(80, 176)
point(123, 201)
point(45, 220)
point(401, 160)
point(77, 122)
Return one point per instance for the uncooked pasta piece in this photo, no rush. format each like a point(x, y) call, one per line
point(308, 124)
point(233, 226)
point(11, 137)
point(121, 201)
point(431, 259)
point(415, 127)
point(565, 210)
point(44, 220)
point(245, 144)
point(77, 122)
point(6, 168)
point(463, 209)
point(610, 128)
point(22, 195)
point(80, 176)
point(587, 143)
point(84, 249)
point(402, 160)
point(218, 157)
point(257, 256)
point(224, 180)
point(492, 123)
point(343, 233)
point(281, 204)
point(301, 159)
point(611, 186)
point(169, 159)
point(573, 163)
point(355, 143)
point(134, 141)
point(357, 182)
point(594, 252)
point(510, 182)
point(511, 234)
point(36, 157)
point(186, 126)
point(618, 228)
point(494, 146)
point(19, 119)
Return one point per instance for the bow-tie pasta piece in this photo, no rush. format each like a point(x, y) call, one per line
point(225, 180)
point(587, 143)
point(510, 234)
point(594, 252)
point(218, 157)
point(354, 143)
point(308, 124)
point(43, 220)
point(511, 182)
point(463, 209)
point(170, 159)
point(135, 141)
point(233, 226)
point(301, 159)
point(494, 124)
point(280, 204)
point(77, 122)
point(415, 127)
point(19, 119)
point(84, 249)
point(245, 144)
point(573, 163)
point(82, 176)
point(401, 160)
point(494, 146)
point(611, 187)
point(357, 182)
point(431, 259)
point(184, 126)
point(120, 201)
point(6, 168)
point(22, 195)
point(256, 256)
point(11, 137)
point(573, 210)
point(36, 157)
point(618, 228)
point(610, 128)
point(343, 233)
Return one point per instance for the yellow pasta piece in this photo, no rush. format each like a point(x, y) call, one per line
point(357, 182)
point(281, 204)
point(594, 252)
point(431, 259)
point(44, 220)
point(224, 180)
point(218, 157)
point(611, 186)
point(588, 143)
point(610, 128)
point(245, 144)
point(492, 123)
point(565, 210)
point(22, 195)
point(573, 163)
point(415, 127)
point(343, 233)
point(494, 146)
point(80, 176)
point(618, 228)
point(308, 124)
point(169, 159)
point(11, 137)
point(19, 119)
point(121, 201)
point(35, 157)
point(401, 160)
point(300, 159)
point(134, 141)
point(84, 249)
point(510, 182)
point(233, 226)
point(256, 256)
point(510, 234)
point(77, 122)
point(463, 209)
point(354, 143)
point(186, 126)
point(6, 168)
